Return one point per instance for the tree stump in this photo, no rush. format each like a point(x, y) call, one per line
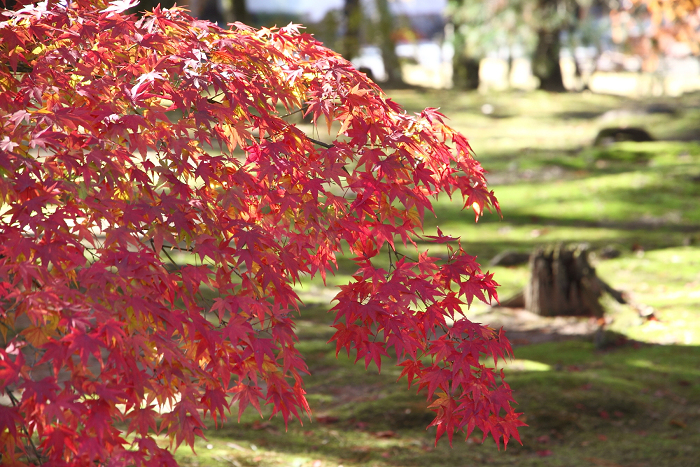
point(563, 283)
point(614, 135)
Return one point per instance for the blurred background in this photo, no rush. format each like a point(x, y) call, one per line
point(626, 47)
point(586, 114)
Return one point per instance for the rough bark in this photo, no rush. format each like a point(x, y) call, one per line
point(563, 283)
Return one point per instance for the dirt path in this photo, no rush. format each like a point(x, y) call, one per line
point(523, 327)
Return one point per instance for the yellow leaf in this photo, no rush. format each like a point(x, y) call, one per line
point(413, 215)
point(35, 335)
point(345, 125)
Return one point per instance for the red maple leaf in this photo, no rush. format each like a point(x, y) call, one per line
point(157, 268)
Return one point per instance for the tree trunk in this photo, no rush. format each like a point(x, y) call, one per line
point(545, 62)
point(195, 7)
point(388, 44)
point(467, 77)
point(234, 10)
point(148, 5)
point(563, 283)
point(465, 69)
point(352, 18)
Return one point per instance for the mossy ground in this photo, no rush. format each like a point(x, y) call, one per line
point(635, 404)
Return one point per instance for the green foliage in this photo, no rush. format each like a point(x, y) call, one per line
point(481, 27)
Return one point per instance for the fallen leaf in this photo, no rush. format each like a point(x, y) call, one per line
point(326, 419)
point(544, 453)
point(258, 425)
point(361, 449)
point(386, 434)
point(678, 423)
point(602, 437)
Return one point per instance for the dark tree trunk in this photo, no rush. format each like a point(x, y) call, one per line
point(563, 283)
point(235, 10)
point(545, 62)
point(465, 69)
point(148, 5)
point(352, 18)
point(466, 73)
point(387, 43)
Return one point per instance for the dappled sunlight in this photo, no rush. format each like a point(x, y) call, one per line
point(518, 364)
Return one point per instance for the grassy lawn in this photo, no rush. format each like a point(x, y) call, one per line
point(635, 404)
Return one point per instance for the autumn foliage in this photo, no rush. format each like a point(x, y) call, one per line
point(652, 27)
point(158, 207)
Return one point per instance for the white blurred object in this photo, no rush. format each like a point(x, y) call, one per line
point(371, 57)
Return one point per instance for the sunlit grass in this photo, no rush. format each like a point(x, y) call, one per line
point(636, 403)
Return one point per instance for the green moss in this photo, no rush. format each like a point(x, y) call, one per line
point(634, 404)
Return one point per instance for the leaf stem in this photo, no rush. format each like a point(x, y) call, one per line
point(15, 403)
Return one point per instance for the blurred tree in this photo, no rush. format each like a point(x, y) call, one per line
point(234, 10)
point(148, 5)
point(484, 26)
point(465, 16)
point(225, 11)
point(480, 27)
point(330, 30)
point(652, 28)
point(387, 43)
point(548, 18)
point(352, 18)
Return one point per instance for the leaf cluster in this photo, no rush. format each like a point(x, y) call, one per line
point(126, 142)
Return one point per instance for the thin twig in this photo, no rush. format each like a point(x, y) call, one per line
point(320, 143)
point(403, 256)
point(302, 109)
point(153, 245)
point(15, 403)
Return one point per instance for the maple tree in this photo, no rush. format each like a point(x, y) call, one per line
point(125, 141)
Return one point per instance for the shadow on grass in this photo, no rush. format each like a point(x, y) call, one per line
point(630, 405)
